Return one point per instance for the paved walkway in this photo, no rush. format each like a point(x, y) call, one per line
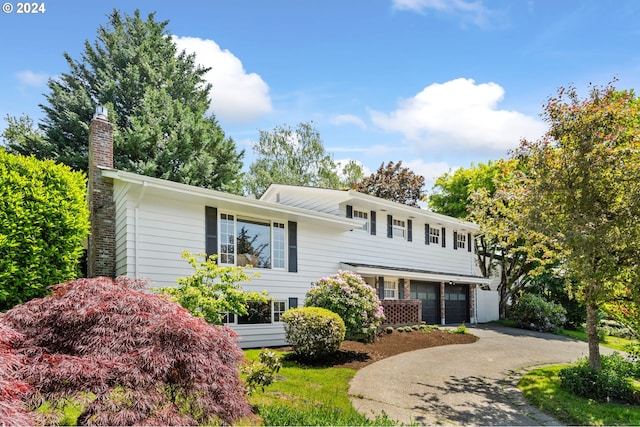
point(463, 384)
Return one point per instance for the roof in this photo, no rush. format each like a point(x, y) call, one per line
point(328, 200)
point(413, 273)
point(246, 204)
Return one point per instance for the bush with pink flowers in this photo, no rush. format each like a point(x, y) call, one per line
point(357, 303)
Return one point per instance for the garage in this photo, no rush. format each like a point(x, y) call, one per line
point(429, 294)
point(456, 303)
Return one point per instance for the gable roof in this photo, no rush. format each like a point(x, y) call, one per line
point(178, 191)
point(329, 201)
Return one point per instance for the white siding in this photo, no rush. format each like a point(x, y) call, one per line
point(154, 226)
point(488, 306)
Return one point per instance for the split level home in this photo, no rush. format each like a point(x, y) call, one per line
point(421, 264)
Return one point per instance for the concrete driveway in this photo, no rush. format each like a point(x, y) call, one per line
point(464, 384)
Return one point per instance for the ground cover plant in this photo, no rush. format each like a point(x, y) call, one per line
point(542, 389)
point(126, 356)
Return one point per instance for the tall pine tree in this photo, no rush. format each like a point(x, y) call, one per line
point(156, 97)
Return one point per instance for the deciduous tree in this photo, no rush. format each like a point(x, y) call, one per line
point(394, 182)
point(296, 156)
point(583, 185)
point(156, 97)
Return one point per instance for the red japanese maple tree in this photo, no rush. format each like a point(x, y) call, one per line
point(141, 358)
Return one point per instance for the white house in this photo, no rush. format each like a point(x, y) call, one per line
point(421, 263)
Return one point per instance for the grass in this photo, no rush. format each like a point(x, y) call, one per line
point(614, 343)
point(305, 395)
point(542, 388)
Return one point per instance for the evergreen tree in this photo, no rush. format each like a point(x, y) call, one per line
point(156, 97)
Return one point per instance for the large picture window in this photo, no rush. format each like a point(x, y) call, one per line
point(252, 242)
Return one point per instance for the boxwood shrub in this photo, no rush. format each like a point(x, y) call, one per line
point(313, 332)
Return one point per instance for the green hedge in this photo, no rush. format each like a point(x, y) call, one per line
point(43, 221)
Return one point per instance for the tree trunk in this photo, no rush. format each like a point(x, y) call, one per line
point(592, 335)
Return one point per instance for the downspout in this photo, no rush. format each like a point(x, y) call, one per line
point(136, 240)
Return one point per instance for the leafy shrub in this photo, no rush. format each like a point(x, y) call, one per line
point(616, 329)
point(313, 332)
point(357, 303)
point(462, 329)
point(612, 381)
point(533, 312)
point(389, 329)
point(43, 221)
point(145, 359)
point(212, 290)
point(262, 372)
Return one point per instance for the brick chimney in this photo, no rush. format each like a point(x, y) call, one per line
point(101, 256)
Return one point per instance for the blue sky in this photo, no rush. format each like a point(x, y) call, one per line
point(437, 84)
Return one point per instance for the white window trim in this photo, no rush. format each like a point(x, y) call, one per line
point(434, 236)
point(235, 236)
point(399, 225)
point(462, 241)
point(394, 283)
point(364, 216)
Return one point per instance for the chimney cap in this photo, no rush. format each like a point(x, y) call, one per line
point(101, 112)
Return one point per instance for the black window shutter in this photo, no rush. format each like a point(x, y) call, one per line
point(401, 289)
point(427, 238)
point(293, 247)
point(293, 302)
point(381, 287)
point(390, 226)
point(444, 235)
point(409, 230)
point(469, 242)
point(455, 240)
point(349, 211)
point(211, 230)
point(373, 223)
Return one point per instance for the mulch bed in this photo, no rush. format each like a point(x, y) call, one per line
point(355, 355)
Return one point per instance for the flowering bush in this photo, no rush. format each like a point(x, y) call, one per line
point(313, 332)
point(533, 312)
point(357, 303)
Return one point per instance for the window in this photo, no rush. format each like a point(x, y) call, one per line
point(227, 239)
point(257, 312)
point(399, 228)
point(278, 245)
point(258, 243)
point(279, 307)
point(362, 215)
point(461, 240)
point(254, 243)
point(434, 235)
point(390, 289)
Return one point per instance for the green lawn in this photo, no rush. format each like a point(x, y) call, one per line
point(542, 389)
point(615, 343)
point(304, 395)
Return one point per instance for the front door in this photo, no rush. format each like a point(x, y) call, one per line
point(429, 294)
point(456, 303)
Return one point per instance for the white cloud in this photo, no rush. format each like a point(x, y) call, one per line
point(29, 78)
point(430, 171)
point(348, 119)
point(459, 115)
point(236, 96)
point(467, 10)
